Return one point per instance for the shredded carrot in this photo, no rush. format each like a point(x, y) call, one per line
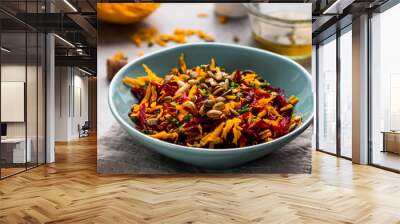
point(118, 56)
point(140, 53)
point(222, 19)
point(179, 36)
point(202, 14)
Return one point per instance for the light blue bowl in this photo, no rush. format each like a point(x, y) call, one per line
point(278, 70)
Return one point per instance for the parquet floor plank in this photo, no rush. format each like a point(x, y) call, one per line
point(70, 191)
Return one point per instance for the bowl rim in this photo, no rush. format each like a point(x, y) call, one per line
point(139, 134)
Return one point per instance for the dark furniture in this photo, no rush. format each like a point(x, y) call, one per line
point(84, 129)
point(3, 129)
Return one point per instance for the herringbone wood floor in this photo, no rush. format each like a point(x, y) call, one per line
point(70, 191)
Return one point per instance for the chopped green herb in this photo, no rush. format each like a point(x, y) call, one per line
point(173, 121)
point(264, 84)
point(187, 117)
point(204, 92)
point(244, 109)
point(233, 84)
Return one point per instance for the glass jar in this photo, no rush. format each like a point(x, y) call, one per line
point(282, 27)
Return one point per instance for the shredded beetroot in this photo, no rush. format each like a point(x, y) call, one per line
point(260, 125)
point(281, 101)
point(183, 99)
point(249, 97)
point(283, 127)
point(142, 117)
point(138, 92)
point(243, 141)
point(238, 76)
point(259, 94)
point(169, 88)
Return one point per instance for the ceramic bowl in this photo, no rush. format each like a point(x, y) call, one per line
point(278, 70)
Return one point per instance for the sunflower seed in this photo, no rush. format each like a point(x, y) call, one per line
point(234, 112)
point(192, 81)
point(226, 84)
point(219, 106)
point(195, 144)
point(227, 92)
point(264, 84)
point(204, 86)
point(167, 99)
point(297, 118)
point(232, 75)
point(189, 104)
point(152, 121)
point(193, 74)
point(182, 89)
point(235, 90)
point(211, 81)
point(168, 78)
point(218, 90)
point(220, 99)
point(292, 126)
point(209, 103)
point(218, 76)
point(181, 83)
point(214, 114)
point(202, 110)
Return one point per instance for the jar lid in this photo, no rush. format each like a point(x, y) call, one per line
point(284, 12)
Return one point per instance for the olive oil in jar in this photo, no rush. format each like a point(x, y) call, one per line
point(282, 28)
point(294, 51)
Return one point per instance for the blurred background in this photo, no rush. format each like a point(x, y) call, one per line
point(51, 48)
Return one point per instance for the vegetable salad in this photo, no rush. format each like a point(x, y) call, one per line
point(207, 107)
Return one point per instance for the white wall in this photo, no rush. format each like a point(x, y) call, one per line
point(33, 127)
point(70, 83)
point(62, 81)
point(15, 72)
point(80, 85)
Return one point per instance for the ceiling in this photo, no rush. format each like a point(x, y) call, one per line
point(75, 21)
point(72, 20)
point(331, 16)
